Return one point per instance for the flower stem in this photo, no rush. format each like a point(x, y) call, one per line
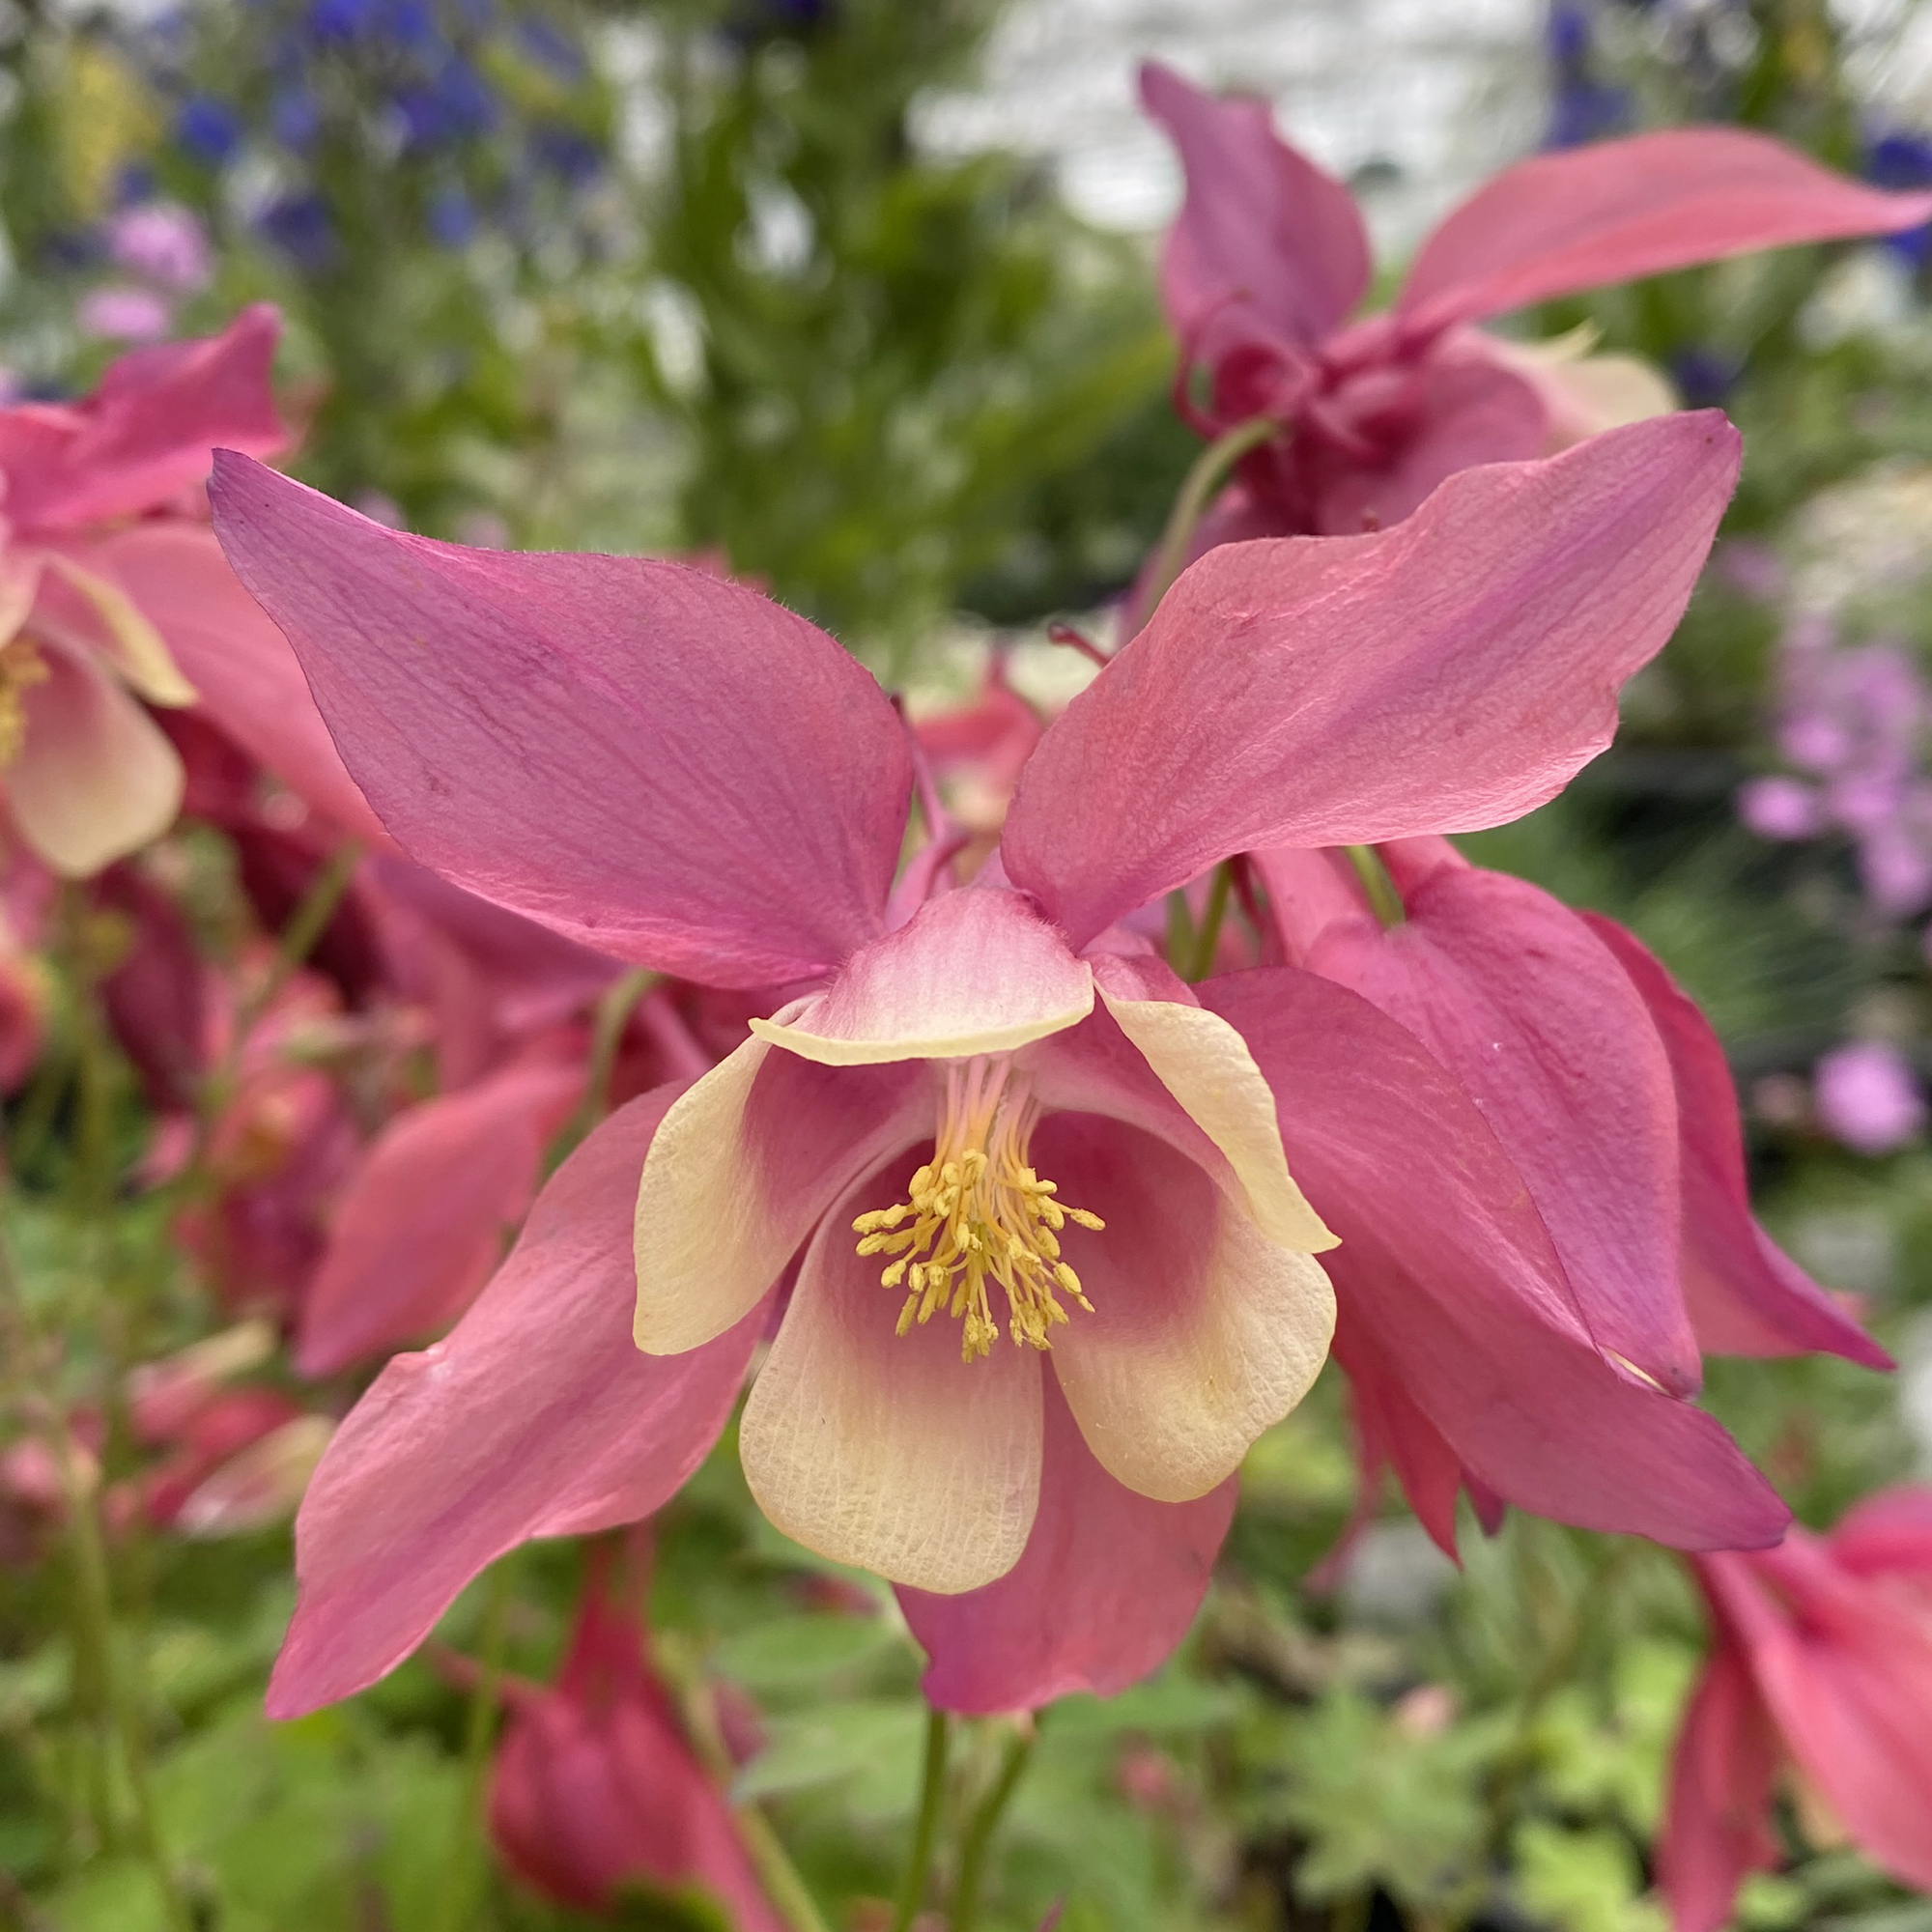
point(926, 1829)
point(1197, 491)
point(479, 1726)
point(93, 1602)
point(613, 1014)
point(1208, 938)
point(1383, 898)
point(985, 1822)
point(777, 1873)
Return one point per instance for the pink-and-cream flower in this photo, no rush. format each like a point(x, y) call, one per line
point(1048, 1273)
point(85, 774)
point(114, 596)
point(1264, 268)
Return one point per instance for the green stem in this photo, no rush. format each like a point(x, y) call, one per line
point(926, 1829)
point(984, 1823)
point(1197, 491)
point(1208, 940)
point(777, 1873)
point(479, 1727)
point(613, 1014)
point(1383, 898)
point(93, 1607)
point(298, 937)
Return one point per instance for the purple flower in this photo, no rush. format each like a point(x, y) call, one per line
point(163, 241)
point(1866, 1096)
point(124, 315)
point(208, 129)
point(1779, 808)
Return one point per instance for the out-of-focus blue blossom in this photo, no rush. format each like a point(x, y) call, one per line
point(1903, 160)
point(754, 21)
point(1704, 377)
point(336, 21)
point(549, 47)
point(1583, 108)
point(209, 130)
point(451, 217)
point(295, 119)
point(565, 151)
point(456, 105)
point(300, 227)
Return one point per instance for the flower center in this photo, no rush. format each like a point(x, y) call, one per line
point(979, 1213)
point(20, 667)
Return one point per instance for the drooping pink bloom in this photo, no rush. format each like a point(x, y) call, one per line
point(595, 1788)
point(1820, 1671)
point(1606, 1090)
point(670, 769)
point(1268, 260)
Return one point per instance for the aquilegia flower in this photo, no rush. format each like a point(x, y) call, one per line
point(1055, 1273)
point(1820, 1673)
point(1270, 257)
point(1610, 1094)
point(112, 590)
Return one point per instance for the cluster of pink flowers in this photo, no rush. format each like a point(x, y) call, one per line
point(161, 253)
point(1029, 1236)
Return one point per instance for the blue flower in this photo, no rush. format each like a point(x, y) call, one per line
point(295, 118)
point(299, 225)
point(455, 105)
point(208, 129)
point(337, 20)
point(451, 217)
point(1704, 377)
point(1903, 161)
point(565, 151)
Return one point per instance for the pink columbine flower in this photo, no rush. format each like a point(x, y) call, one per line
point(112, 590)
point(1820, 1672)
point(1607, 1093)
point(1268, 259)
point(594, 1788)
point(997, 1086)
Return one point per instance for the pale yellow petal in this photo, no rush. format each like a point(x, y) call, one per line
point(1206, 1064)
point(887, 1451)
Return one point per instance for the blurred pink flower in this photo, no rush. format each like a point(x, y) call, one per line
point(670, 769)
point(97, 560)
point(595, 1788)
point(1778, 808)
point(1866, 1096)
point(1268, 259)
point(1820, 1672)
point(163, 241)
point(120, 314)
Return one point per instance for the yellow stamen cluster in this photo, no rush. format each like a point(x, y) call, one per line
point(979, 1213)
point(20, 667)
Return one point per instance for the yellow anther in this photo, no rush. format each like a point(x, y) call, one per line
point(20, 668)
point(982, 1218)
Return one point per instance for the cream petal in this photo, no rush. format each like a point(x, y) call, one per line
point(102, 615)
point(94, 779)
point(977, 971)
point(1203, 1332)
point(1206, 1064)
point(745, 1163)
point(888, 1451)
